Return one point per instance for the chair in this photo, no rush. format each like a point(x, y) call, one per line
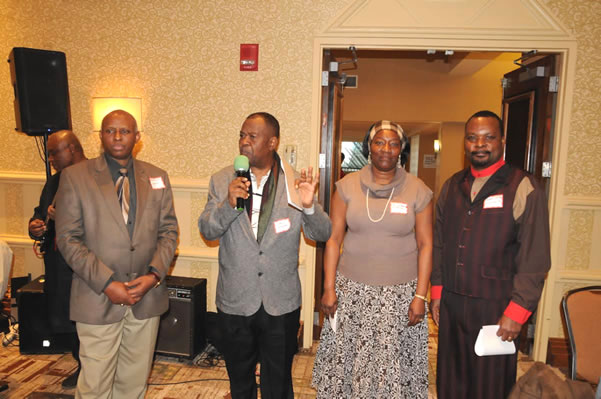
point(582, 312)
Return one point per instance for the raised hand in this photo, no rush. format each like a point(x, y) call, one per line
point(306, 186)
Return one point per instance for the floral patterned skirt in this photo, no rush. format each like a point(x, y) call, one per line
point(372, 354)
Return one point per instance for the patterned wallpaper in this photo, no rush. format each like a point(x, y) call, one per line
point(583, 19)
point(182, 58)
point(14, 223)
point(580, 232)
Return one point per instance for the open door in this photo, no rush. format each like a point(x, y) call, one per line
point(329, 158)
point(529, 97)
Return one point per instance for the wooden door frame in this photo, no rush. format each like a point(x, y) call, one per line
point(564, 47)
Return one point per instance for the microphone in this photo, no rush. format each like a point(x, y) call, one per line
point(241, 166)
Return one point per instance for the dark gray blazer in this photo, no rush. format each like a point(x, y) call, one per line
point(251, 273)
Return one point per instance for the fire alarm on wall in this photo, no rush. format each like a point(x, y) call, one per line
point(249, 57)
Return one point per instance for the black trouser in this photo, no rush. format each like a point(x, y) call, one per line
point(270, 340)
point(460, 373)
point(57, 287)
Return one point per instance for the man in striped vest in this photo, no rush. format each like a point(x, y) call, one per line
point(491, 256)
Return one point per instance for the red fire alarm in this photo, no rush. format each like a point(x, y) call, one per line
point(249, 57)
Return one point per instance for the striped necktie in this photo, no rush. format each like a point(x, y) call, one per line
point(122, 187)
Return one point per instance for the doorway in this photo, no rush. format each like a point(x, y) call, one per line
point(431, 94)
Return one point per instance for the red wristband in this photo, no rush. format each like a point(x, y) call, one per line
point(436, 292)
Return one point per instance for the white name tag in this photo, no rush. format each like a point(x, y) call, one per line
point(281, 225)
point(398, 207)
point(157, 183)
point(494, 201)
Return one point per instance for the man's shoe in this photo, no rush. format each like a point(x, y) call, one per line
point(71, 381)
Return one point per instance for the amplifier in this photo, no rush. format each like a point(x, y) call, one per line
point(182, 331)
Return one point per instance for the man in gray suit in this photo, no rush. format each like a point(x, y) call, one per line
point(116, 228)
point(258, 290)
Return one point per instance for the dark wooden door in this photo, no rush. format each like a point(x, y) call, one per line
point(529, 98)
point(331, 134)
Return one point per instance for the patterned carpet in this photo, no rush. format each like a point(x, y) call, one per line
point(40, 376)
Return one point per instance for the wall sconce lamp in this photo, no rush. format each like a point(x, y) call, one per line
point(436, 146)
point(103, 105)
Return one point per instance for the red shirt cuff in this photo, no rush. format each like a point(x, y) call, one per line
point(436, 292)
point(517, 313)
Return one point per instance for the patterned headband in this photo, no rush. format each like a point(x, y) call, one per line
point(388, 125)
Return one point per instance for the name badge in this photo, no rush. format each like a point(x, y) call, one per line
point(494, 201)
point(157, 183)
point(399, 207)
point(281, 225)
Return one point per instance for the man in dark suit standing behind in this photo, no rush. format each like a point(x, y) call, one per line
point(117, 229)
point(491, 256)
point(64, 150)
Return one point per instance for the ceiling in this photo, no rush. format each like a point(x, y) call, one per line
point(455, 63)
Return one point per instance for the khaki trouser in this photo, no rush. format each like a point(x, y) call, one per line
point(116, 358)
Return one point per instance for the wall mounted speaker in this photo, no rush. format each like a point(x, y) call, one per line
point(39, 79)
point(182, 331)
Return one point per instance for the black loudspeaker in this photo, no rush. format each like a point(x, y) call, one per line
point(39, 79)
point(15, 284)
point(182, 330)
point(35, 334)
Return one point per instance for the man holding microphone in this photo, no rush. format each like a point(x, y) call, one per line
point(258, 291)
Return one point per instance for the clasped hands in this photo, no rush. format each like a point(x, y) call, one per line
point(131, 292)
point(306, 186)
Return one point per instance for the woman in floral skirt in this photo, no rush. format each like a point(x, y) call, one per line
point(374, 343)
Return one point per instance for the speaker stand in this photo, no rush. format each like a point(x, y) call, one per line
point(48, 171)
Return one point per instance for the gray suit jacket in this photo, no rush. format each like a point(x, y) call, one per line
point(93, 238)
point(251, 273)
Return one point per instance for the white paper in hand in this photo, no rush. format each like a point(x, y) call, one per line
point(488, 343)
point(333, 320)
